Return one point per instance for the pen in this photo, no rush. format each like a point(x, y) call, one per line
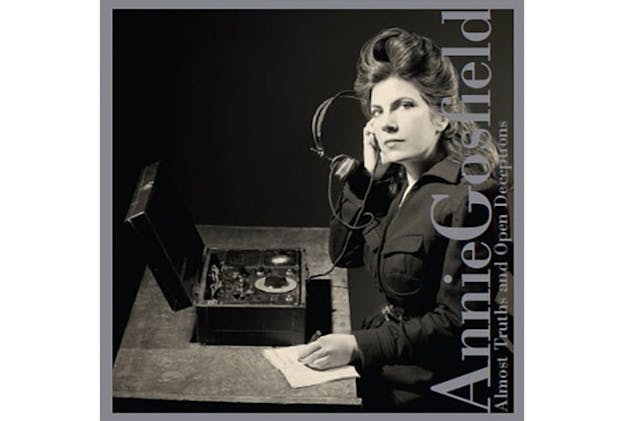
point(315, 336)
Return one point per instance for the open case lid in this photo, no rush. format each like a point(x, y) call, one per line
point(171, 243)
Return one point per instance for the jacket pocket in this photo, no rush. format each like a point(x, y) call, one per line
point(402, 264)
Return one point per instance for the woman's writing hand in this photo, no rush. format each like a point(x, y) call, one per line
point(370, 152)
point(334, 350)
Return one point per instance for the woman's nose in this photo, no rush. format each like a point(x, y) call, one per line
point(389, 125)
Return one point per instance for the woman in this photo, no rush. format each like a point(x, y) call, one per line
point(414, 341)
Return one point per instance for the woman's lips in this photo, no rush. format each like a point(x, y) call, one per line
point(391, 142)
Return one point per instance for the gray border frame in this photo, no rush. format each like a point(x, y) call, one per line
point(106, 198)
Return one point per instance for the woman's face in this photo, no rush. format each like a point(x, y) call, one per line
point(402, 122)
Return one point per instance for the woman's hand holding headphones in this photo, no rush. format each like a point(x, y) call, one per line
point(371, 148)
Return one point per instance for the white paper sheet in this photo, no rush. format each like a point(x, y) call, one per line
point(297, 374)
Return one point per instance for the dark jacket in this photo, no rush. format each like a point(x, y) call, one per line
point(418, 269)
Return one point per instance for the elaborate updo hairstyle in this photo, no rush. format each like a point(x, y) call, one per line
point(415, 58)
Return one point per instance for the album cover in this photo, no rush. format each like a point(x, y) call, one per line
point(340, 183)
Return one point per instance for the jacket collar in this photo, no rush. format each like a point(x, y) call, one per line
point(446, 169)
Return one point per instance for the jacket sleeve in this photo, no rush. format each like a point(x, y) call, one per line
point(350, 205)
point(419, 340)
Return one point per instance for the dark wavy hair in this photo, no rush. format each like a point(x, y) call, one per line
point(416, 58)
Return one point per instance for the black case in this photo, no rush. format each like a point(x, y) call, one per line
point(179, 261)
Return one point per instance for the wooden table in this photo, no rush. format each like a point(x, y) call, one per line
point(157, 359)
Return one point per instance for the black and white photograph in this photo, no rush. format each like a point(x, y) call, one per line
point(278, 210)
point(314, 210)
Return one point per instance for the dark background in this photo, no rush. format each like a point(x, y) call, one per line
point(226, 98)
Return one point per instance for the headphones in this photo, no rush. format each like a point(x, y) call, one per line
point(343, 167)
point(340, 165)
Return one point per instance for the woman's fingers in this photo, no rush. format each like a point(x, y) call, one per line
point(308, 349)
point(310, 358)
point(319, 363)
point(369, 133)
point(372, 151)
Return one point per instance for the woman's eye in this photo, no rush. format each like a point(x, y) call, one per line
point(375, 113)
point(407, 104)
